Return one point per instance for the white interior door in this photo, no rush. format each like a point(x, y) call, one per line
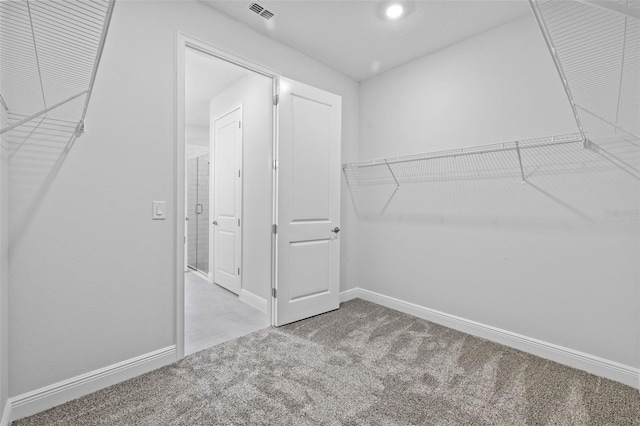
point(227, 171)
point(308, 246)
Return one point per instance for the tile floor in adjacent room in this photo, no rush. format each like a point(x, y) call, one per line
point(214, 315)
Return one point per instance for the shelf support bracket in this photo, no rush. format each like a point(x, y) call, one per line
point(394, 191)
point(552, 50)
point(3, 103)
point(524, 180)
point(79, 129)
point(392, 174)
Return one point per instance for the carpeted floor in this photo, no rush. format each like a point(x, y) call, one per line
point(361, 365)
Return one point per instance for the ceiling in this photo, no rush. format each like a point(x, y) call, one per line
point(353, 36)
point(200, 87)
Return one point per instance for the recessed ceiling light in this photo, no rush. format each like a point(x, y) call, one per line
point(394, 11)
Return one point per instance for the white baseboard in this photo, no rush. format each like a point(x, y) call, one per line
point(6, 414)
point(256, 301)
point(58, 393)
point(346, 295)
point(592, 364)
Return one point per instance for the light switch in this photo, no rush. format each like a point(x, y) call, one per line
point(159, 210)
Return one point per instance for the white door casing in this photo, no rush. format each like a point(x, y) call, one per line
point(308, 247)
point(184, 42)
point(227, 184)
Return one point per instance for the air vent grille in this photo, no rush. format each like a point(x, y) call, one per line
point(266, 14)
point(256, 8)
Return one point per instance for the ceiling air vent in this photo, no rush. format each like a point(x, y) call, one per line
point(256, 8)
point(266, 14)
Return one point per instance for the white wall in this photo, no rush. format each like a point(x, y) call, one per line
point(91, 275)
point(197, 135)
point(254, 93)
point(546, 259)
point(4, 269)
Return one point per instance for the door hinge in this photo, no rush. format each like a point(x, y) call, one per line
point(238, 221)
point(276, 99)
point(239, 124)
point(185, 239)
point(275, 164)
point(238, 173)
point(274, 293)
point(274, 228)
point(238, 271)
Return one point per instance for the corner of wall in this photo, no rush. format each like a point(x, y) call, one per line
point(349, 271)
point(5, 414)
point(4, 278)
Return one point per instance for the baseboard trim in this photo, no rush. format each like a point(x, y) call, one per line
point(560, 354)
point(256, 301)
point(6, 414)
point(349, 294)
point(50, 396)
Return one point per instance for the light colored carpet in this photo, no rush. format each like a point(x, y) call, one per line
point(361, 365)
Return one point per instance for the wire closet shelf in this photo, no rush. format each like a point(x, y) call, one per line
point(50, 51)
point(595, 47)
point(484, 161)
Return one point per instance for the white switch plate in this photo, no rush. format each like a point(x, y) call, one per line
point(159, 210)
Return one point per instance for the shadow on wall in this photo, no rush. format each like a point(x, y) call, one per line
point(565, 185)
point(36, 150)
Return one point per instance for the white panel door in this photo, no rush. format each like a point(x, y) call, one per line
point(308, 245)
point(227, 195)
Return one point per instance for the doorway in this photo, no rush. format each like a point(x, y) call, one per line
point(290, 177)
point(228, 131)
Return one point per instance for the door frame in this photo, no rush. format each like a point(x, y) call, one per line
point(184, 41)
point(212, 202)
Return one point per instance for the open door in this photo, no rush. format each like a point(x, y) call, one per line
point(308, 246)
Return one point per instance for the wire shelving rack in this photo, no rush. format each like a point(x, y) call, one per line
point(505, 159)
point(595, 46)
point(50, 51)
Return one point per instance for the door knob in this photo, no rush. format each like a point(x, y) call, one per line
point(336, 230)
point(215, 222)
